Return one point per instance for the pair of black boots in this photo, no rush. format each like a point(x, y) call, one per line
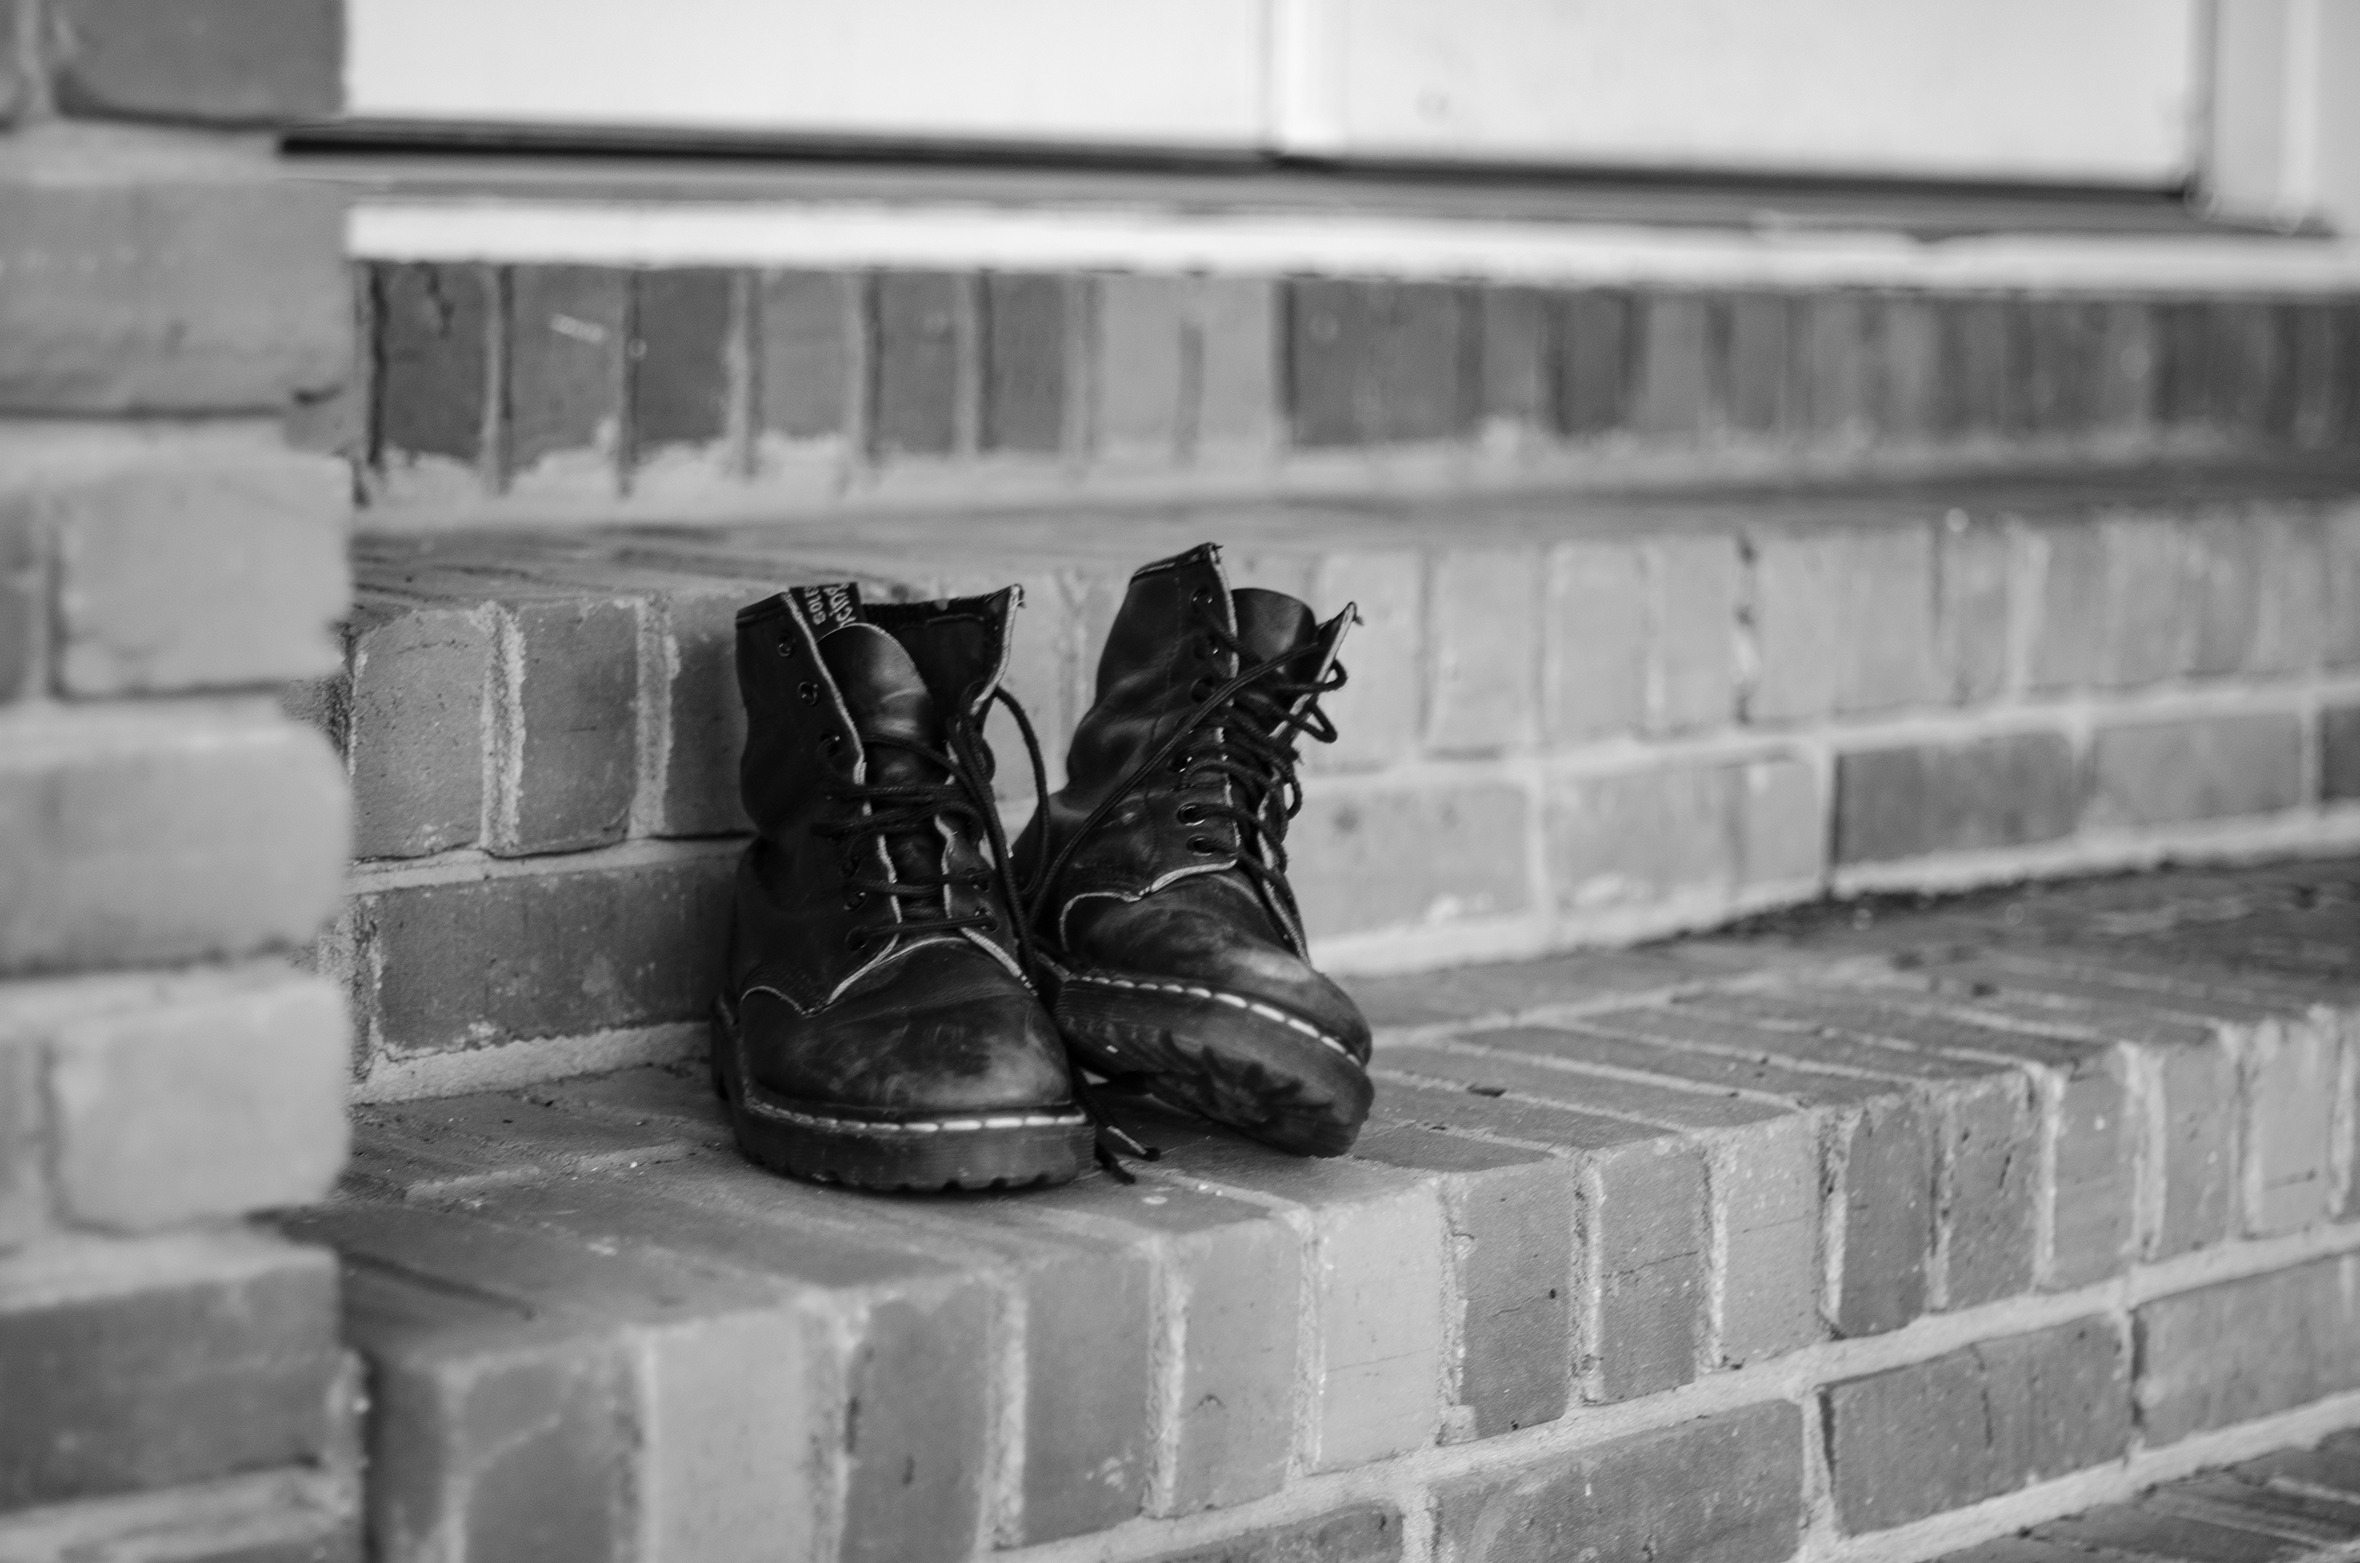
point(911, 1000)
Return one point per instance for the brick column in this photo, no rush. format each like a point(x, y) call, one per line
point(169, 301)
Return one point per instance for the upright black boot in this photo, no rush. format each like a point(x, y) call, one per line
point(1157, 877)
point(876, 1025)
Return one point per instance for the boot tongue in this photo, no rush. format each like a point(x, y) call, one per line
point(882, 690)
point(1270, 624)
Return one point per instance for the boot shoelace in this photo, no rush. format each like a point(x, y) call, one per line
point(1259, 716)
point(912, 808)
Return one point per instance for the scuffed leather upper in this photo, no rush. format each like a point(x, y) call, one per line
point(1155, 890)
point(936, 1021)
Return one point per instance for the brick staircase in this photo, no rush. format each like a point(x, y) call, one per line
point(1912, 1227)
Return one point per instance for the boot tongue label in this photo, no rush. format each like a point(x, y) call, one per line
point(825, 609)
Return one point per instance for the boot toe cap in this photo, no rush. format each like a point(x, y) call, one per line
point(939, 1029)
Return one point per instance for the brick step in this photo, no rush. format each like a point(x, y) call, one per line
point(582, 391)
point(1600, 720)
point(2296, 1506)
point(1905, 1224)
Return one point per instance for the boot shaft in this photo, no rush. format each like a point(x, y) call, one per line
point(1180, 635)
point(844, 698)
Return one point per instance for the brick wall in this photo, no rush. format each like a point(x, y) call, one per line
point(168, 302)
point(573, 389)
point(1563, 725)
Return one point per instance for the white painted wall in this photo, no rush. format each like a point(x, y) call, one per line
point(1184, 73)
point(2044, 89)
point(2099, 90)
point(2286, 111)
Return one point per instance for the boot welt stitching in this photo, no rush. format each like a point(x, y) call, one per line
point(1215, 994)
point(923, 1126)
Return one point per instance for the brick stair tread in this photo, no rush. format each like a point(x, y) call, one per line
point(1820, 1129)
point(2294, 1506)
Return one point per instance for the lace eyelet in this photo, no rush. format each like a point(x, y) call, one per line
point(853, 939)
point(786, 646)
point(1208, 648)
point(1188, 814)
point(1181, 762)
point(1202, 687)
point(990, 924)
point(1202, 846)
point(833, 743)
point(855, 898)
point(809, 691)
point(1202, 597)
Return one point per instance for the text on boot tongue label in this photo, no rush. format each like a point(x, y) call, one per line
point(825, 609)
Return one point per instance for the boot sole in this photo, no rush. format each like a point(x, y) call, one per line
point(1270, 1076)
point(924, 1153)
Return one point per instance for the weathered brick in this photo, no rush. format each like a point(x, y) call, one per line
point(2339, 752)
point(418, 727)
point(1971, 609)
point(466, 963)
point(681, 357)
point(1517, 388)
point(1638, 1497)
point(2056, 357)
point(201, 563)
point(2325, 366)
point(134, 1366)
point(1981, 1114)
point(2010, 789)
point(1694, 585)
point(1508, 1213)
point(2248, 1348)
point(1655, 835)
point(2193, 1117)
point(1642, 1270)
point(1379, 714)
point(1672, 395)
point(1835, 366)
point(2123, 601)
point(1364, 1533)
point(705, 720)
point(1978, 369)
point(568, 360)
point(224, 292)
point(1373, 363)
point(236, 62)
point(147, 834)
point(1237, 414)
point(1230, 1372)
point(1754, 363)
point(804, 355)
point(1595, 646)
point(24, 603)
point(1598, 341)
point(1352, 874)
point(1845, 624)
point(2343, 587)
point(2158, 773)
point(1142, 374)
point(2221, 592)
point(1484, 633)
point(2291, 1073)
point(1027, 321)
point(1373, 1241)
point(1976, 1423)
point(1910, 368)
point(2290, 591)
point(24, 1150)
point(433, 327)
point(565, 683)
point(191, 1097)
point(15, 65)
point(281, 1517)
point(2123, 398)
point(924, 322)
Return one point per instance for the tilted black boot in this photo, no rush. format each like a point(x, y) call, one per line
point(876, 1026)
point(1157, 878)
